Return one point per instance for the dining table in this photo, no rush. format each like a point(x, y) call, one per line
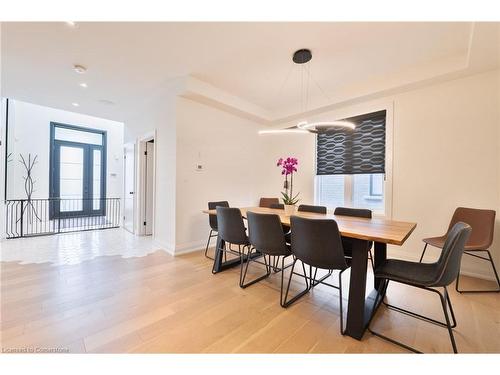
point(362, 231)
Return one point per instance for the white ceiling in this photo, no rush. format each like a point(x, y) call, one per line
point(128, 61)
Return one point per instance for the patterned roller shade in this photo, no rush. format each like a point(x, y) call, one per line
point(358, 151)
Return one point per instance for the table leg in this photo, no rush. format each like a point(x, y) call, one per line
point(360, 308)
point(220, 265)
point(220, 244)
point(380, 257)
point(357, 289)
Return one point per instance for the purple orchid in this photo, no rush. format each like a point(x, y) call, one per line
point(288, 167)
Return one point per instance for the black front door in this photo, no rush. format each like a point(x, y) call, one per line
point(77, 179)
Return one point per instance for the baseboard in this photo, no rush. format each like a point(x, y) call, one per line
point(164, 246)
point(190, 247)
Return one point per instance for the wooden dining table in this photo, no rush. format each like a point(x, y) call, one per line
point(378, 230)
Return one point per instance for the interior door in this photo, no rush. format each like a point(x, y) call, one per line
point(129, 187)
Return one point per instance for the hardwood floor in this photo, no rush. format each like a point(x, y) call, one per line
point(160, 304)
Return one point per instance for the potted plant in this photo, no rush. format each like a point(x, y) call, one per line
point(288, 167)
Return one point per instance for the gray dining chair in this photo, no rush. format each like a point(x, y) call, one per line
point(346, 241)
point(311, 208)
point(212, 221)
point(317, 244)
point(427, 276)
point(232, 230)
point(267, 238)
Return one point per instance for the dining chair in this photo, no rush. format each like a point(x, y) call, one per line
point(310, 208)
point(277, 206)
point(232, 230)
point(346, 241)
point(266, 237)
point(317, 244)
point(427, 276)
point(212, 221)
point(483, 226)
point(267, 202)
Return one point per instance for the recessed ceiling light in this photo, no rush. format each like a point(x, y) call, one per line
point(106, 101)
point(83, 84)
point(75, 104)
point(80, 69)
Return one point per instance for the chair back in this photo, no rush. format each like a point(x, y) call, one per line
point(448, 264)
point(482, 223)
point(266, 233)
point(310, 208)
point(355, 212)
point(317, 242)
point(267, 202)
point(277, 206)
point(231, 226)
point(212, 219)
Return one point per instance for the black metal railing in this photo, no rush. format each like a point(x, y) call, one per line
point(38, 217)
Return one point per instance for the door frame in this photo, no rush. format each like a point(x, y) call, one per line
point(140, 182)
point(125, 192)
point(54, 169)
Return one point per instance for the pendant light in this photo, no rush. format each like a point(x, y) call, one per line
point(302, 57)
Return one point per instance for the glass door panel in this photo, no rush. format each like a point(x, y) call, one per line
point(71, 178)
point(96, 179)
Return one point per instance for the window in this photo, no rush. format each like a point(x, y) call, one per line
point(350, 165)
point(77, 172)
point(357, 191)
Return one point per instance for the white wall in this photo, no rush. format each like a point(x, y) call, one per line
point(235, 167)
point(158, 115)
point(29, 132)
point(446, 154)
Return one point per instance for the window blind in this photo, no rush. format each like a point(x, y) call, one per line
point(358, 151)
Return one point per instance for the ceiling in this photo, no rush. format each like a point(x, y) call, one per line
point(127, 62)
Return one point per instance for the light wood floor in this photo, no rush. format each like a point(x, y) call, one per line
point(157, 303)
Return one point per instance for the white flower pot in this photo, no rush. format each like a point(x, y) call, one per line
point(289, 209)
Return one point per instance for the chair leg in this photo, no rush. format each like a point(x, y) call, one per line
point(423, 317)
point(370, 257)
point(208, 244)
point(445, 303)
point(243, 275)
point(289, 302)
point(282, 300)
point(423, 253)
point(342, 329)
point(489, 259)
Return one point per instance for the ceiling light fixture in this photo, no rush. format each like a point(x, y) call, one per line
point(302, 57)
point(83, 84)
point(75, 104)
point(80, 69)
point(279, 131)
point(106, 102)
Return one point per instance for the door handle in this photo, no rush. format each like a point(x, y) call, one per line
point(131, 192)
